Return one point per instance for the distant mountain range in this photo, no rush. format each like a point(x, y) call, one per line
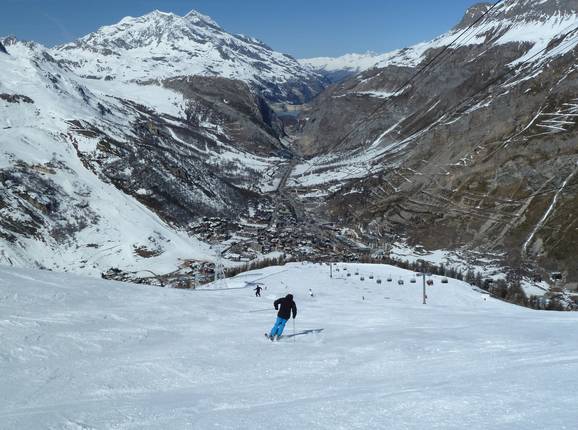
point(339, 68)
point(528, 21)
point(113, 147)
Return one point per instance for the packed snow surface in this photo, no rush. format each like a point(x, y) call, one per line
point(83, 353)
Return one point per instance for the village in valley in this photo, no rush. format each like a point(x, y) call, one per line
point(254, 242)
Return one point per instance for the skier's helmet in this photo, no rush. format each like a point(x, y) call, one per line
point(289, 296)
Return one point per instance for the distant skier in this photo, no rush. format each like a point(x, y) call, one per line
point(258, 291)
point(310, 292)
point(286, 306)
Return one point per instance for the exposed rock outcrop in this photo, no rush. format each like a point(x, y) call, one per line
point(478, 152)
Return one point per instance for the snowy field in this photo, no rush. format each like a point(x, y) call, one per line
point(79, 353)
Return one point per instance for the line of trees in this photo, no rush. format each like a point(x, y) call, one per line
point(258, 264)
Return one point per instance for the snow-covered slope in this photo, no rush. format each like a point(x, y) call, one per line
point(338, 68)
point(533, 22)
point(164, 45)
point(55, 210)
point(101, 174)
point(83, 353)
point(515, 21)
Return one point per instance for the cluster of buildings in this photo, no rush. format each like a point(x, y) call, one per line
point(245, 241)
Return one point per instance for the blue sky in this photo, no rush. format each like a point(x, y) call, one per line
point(302, 28)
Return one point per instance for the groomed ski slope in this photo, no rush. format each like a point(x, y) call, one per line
point(80, 353)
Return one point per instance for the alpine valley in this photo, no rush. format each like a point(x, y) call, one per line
point(160, 145)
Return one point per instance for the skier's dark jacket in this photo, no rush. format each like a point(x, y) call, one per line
point(287, 305)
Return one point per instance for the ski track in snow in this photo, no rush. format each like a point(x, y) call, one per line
point(85, 353)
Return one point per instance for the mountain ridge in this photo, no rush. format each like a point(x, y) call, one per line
point(100, 174)
point(162, 45)
point(397, 158)
point(547, 15)
point(469, 148)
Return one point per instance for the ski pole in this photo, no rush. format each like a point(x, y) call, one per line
point(293, 330)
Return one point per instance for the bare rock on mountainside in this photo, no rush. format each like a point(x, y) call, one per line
point(2, 49)
point(257, 126)
point(474, 13)
point(478, 152)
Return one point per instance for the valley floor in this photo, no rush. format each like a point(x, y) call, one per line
point(79, 353)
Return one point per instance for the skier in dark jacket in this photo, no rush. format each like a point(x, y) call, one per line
point(286, 306)
point(258, 291)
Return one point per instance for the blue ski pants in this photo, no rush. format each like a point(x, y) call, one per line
point(277, 329)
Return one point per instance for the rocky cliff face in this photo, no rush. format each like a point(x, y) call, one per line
point(478, 153)
point(163, 45)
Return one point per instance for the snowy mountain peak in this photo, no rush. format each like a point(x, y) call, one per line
point(533, 9)
point(520, 11)
point(473, 14)
point(130, 20)
point(153, 28)
point(2, 49)
point(24, 47)
point(338, 68)
point(160, 45)
point(532, 21)
point(198, 18)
